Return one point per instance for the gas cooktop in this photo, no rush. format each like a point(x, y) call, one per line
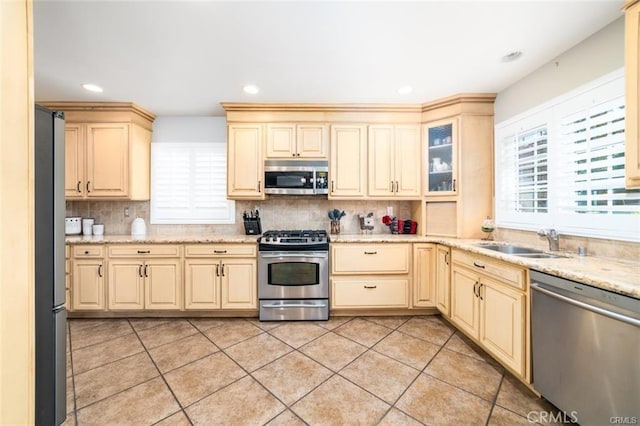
point(294, 239)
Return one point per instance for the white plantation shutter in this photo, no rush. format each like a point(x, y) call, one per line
point(189, 184)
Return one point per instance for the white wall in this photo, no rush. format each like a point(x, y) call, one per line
point(189, 129)
point(594, 57)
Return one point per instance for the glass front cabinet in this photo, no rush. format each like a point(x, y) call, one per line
point(441, 157)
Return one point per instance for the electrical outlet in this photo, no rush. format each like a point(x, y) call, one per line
point(127, 213)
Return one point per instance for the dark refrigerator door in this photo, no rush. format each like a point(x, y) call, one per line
point(50, 315)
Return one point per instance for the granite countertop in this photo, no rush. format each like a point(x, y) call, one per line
point(615, 275)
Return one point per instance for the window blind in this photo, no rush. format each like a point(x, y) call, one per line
point(188, 184)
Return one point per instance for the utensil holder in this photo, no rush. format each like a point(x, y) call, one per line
point(335, 226)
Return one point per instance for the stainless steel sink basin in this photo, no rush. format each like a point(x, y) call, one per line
point(518, 251)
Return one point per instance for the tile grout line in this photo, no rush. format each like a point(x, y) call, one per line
point(495, 398)
point(73, 378)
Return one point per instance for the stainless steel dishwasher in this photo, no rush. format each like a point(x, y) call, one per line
point(586, 350)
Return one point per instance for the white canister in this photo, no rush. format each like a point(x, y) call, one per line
point(98, 229)
point(87, 226)
point(138, 227)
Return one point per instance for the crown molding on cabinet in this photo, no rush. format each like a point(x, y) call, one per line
point(109, 112)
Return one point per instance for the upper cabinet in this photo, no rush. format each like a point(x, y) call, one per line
point(441, 140)
point(245, 164)
point(292, 141)
point(107, 150)
point(394, 161)
point(632, 78)
point(348, 166)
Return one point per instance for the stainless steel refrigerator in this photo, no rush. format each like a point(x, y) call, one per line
point(50, 314)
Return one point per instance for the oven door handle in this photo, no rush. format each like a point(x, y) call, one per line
point(295, 305)
point(304, 255)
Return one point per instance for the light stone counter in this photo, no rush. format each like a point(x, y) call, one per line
point(162, 239)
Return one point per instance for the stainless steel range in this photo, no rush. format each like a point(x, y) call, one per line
point(293, 275)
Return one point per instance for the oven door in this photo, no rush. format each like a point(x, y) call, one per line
point(293, 275)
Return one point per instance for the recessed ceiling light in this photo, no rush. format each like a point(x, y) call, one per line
point(92, 87)
point(510, 57)
point(404, 90)
point(251, 89)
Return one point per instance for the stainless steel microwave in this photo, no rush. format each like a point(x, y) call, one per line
point(296, 177)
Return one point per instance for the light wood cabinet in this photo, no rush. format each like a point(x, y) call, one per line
point(220, 276)
point(370, 275)
point(88, 279)
point(458, 163)
point(107, 150)
point(291, 140)
point(245, 164)
point(424, 275)
point(632, 105)
point(394, 161)
point(491, 310)
point(443, 279)
point(145, 277)
point(348, 163)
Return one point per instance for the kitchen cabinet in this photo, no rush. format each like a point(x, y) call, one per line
point(424, 275)
point(443, 279)
point(348, 161)
point(458, 166)
point(370, 275)
point(88, 278)
point(145, 277)
point(632, 99)
point(245, 164)
point(220, 276)
point(488, 303)
point(107, 150)
point(394, 161)
point(291, 140)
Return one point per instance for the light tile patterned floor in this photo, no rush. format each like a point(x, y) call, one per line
point(345, 371)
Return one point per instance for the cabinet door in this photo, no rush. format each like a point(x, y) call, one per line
point(443, 279)
point(245, 168)
point(202, 284)
point(88, 285)
point(407, 161)
point(632, 108)
point(281, 140)
point(239, 284)
point(163, 284)
point(107, 160)
point(382, 181)
point(348, 165)
point(502, 323)
point(74, 161)
point(126, 285)
point(424, 275)
point(312, 141)
point(441, 140)
point(369, 292)
point(464, 303)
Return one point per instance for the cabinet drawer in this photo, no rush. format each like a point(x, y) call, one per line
point(220, 250)
point(155, 250)
point(504, 272)
point(88, 251)
point(370, 259)
point(369, 293)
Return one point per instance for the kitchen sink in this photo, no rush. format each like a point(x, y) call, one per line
point(518, 251)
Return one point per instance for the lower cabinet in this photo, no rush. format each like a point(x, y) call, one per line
point(216, 279)
point(424, 275)
point(490, 310)
point(145, 284)
point(373, 292)
point(443, 279)
point(87, 278)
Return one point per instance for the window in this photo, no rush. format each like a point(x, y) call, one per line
point(189, 184)
point(561, 165)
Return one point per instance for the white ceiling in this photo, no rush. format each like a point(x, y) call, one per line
point(185, 57)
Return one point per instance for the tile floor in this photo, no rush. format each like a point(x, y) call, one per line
point(345, 371)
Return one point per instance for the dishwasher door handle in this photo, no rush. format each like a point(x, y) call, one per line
point(597, 310)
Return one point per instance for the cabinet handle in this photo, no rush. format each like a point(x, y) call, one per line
point(333, 186)
point(259, 186)
point(446, 258)
point(144, 251)
point(219, 251)
point(453, 187)
point(88, 182)
point(78, 186)
point(478, 265)
point(222, 270)
point(217, 270)
point(86, 252)
point(100, 270)
point(140, 271)
point(370, 252)
point(145, 271)
point(370, 286)
point(293, 154)
point(480, 291)
point(397, 186)
point(475, 289)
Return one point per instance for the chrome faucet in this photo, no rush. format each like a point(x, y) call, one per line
point(552, 236)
